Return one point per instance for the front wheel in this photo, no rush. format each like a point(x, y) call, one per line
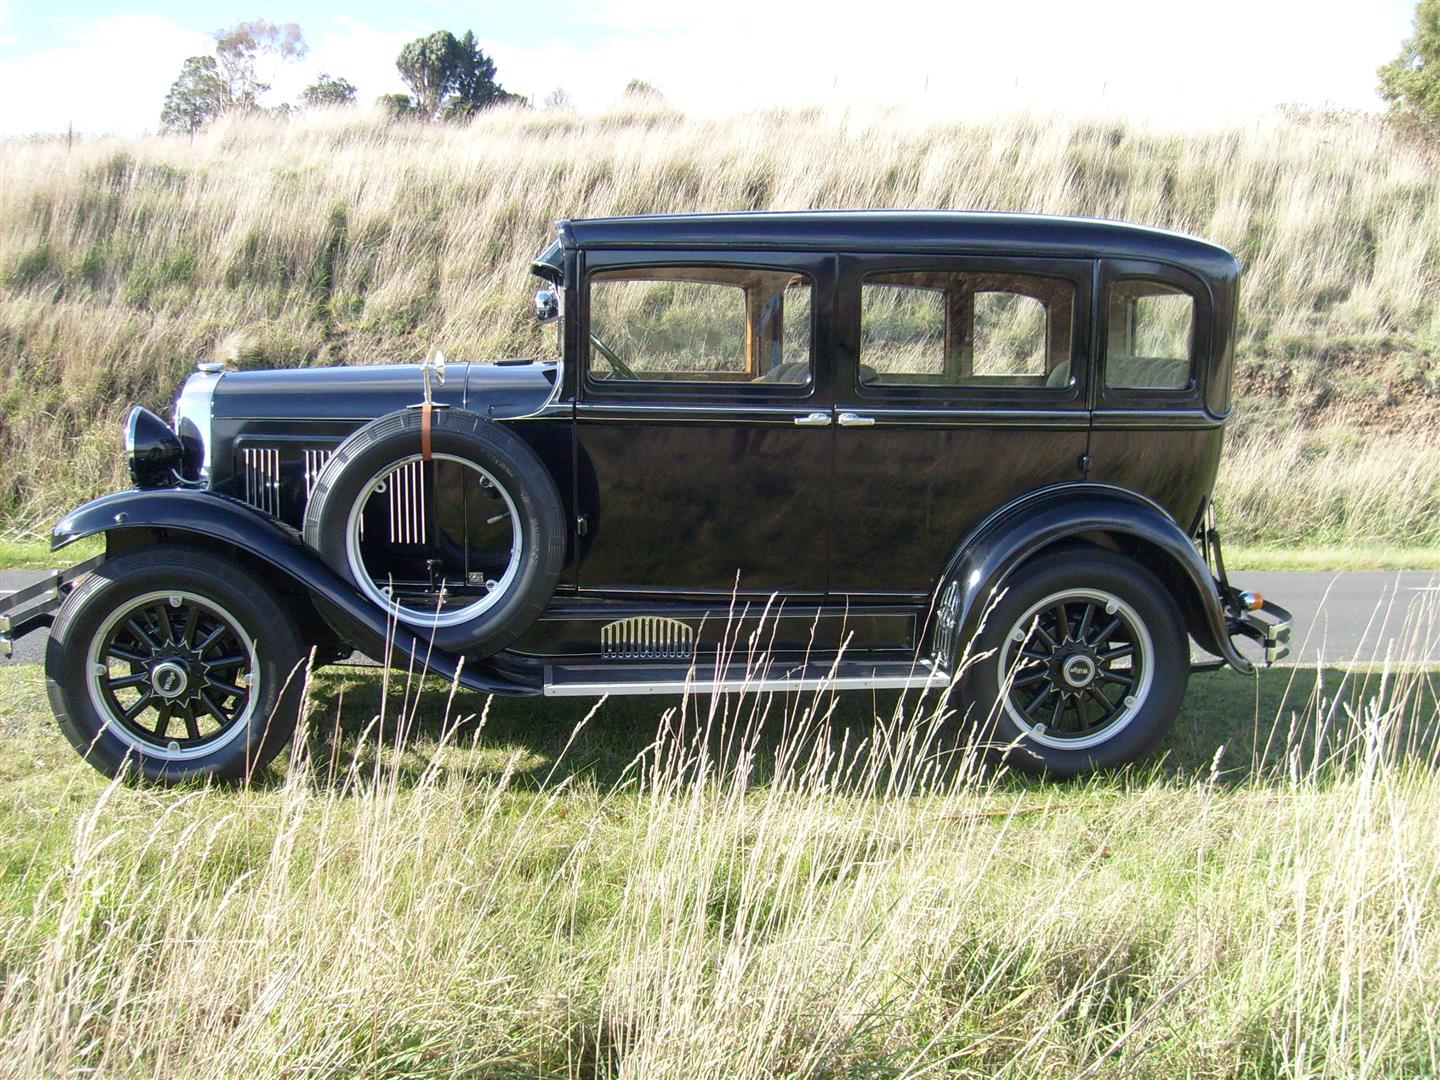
point(171, 664)
point(1083, 665)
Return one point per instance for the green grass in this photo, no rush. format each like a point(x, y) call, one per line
point(36, 554)
point(1336, 558)
point(539, 889)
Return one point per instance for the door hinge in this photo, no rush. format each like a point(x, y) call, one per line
point(1083, 464)
point(582, 525)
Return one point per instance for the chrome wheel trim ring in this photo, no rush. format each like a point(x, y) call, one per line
point(1134, 701)
point(117, 727)
point(366, 584)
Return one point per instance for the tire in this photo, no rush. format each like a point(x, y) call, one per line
point(334, 526)
point(1048, 720)
point(234, 702)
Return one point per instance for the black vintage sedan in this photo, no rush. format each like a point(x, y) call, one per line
point(774, 451)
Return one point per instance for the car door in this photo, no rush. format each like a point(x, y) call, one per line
point(703, 423)
point(1152, 431)
point(961, 385)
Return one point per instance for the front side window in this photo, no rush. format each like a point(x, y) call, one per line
point(963, 328)
point(1150, 336)
point(700, 324)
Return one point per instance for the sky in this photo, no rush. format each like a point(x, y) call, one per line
point(105, 65)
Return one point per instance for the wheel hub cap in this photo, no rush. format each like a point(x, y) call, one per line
point(1078, 671)
point(170, 679)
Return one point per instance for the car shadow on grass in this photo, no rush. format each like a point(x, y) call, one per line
point(1282, 724)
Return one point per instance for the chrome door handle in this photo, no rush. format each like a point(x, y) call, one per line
point(850, 419)
point(814, 419)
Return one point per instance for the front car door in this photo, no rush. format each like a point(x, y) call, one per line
point(703, 433)
point(961, 385)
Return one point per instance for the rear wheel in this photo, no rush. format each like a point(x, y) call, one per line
point(1084, 665)
point(171, 664)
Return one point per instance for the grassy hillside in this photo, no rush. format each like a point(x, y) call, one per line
point(338, 239)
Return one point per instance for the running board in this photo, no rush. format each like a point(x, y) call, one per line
point(595, 680)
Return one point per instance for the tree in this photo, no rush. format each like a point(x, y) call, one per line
point(196, 97)
point(396, 106)
point(327, 91)
point(1411, 82)
point(640, 90)
point(449, 77)
point(557, 99)
point(239, 49)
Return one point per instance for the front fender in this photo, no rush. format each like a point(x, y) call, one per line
point(985, 560)
point(204, 514)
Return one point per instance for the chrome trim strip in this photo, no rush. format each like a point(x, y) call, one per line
point(196, 404)
point(696, 684)
point(406, 490)
point(315, 462)
point(647, 637)
point(1113, 419)
point(262, 478)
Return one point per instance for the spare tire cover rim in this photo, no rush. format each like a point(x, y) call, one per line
point(410, 616)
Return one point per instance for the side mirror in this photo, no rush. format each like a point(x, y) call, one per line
point(547, 305)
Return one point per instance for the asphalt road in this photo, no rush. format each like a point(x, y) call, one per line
point(1363, 616)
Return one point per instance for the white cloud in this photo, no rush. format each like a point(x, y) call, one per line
point(1127, 55)
point(1186, 61)
point(356, 52)
point(111, 75)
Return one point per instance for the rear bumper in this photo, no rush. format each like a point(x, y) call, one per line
point(1269, 626)
point(34, 606)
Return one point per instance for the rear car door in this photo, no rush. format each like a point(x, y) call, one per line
point(961, 385)
point(1153, 431)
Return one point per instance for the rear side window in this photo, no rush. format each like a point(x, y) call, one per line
point(1150, 336)
point(700, 325)
point(962, 328)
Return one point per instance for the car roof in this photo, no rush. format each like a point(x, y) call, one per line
point(930, 231)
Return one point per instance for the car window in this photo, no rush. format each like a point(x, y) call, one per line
point(1150, 337)
point(963, 328)
point(700, 324)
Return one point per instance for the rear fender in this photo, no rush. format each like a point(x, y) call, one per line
point(1080, 514)
point(204, 515)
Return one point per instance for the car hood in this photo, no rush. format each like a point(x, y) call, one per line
point(502, 389)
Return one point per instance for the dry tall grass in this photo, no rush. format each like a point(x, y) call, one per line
point(762, 892)
point(336, 238)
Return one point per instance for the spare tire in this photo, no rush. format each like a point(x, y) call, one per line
point(468, 585)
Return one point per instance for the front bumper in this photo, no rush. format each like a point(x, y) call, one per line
point(1269, 626)
point(35, 605)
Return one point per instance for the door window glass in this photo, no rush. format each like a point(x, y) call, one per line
point(1150, 339)
point(963, 328)
point(700, 324)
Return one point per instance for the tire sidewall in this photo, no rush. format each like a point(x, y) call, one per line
point(1142, 733)
point(111, 586)
point(379, 445)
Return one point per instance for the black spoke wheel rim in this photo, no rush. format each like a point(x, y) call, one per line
point(1076, 668)
point(173, 674)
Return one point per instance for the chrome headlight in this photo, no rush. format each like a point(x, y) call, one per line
point(154, 451)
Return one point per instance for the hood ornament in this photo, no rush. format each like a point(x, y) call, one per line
point(434, 365)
